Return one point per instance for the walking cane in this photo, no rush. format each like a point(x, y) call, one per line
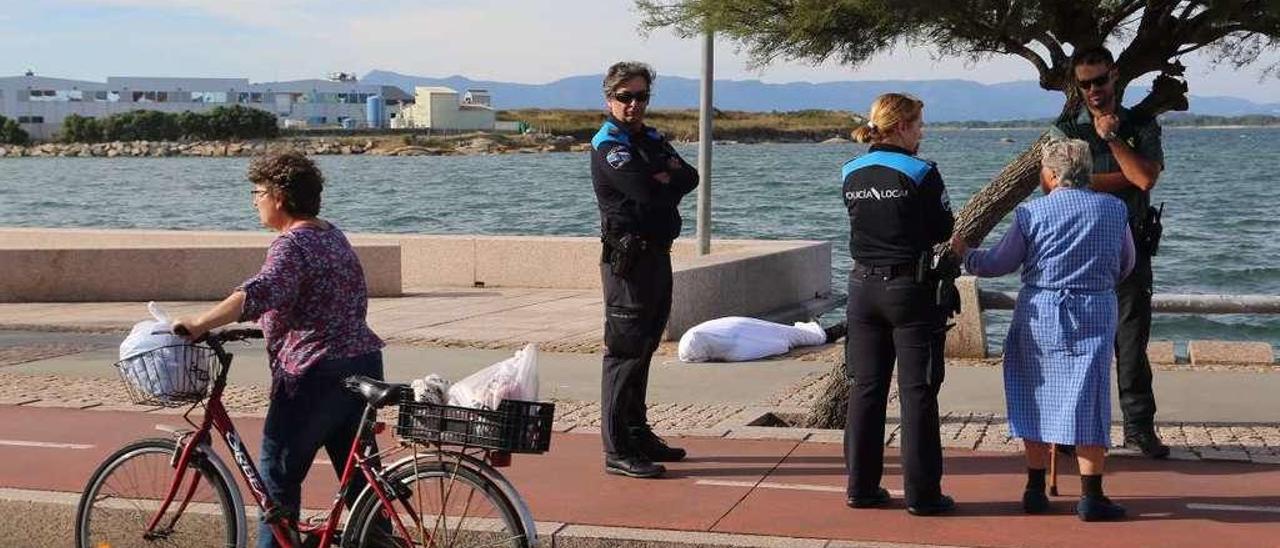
point(1053, 469)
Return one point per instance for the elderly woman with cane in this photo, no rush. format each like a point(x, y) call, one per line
point(1073, 246)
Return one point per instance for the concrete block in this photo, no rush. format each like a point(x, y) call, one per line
point(1230, 352)
point(434, 261)
point(968, 339)
point(1161, 352)
point(751, 282)
point(156, 273)
point(527, 261)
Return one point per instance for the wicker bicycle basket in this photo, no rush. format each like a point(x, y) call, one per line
point(169, 376)
point(515, 426)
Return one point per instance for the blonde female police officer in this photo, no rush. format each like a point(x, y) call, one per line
point(898, 209)
point(639, 181)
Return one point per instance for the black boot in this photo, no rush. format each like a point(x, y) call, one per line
point(879, 499)
point(1034, 501)
point(942, 505)
point(1145, 439)
point(654, 447)
point(1093, 505)
point(633, 466)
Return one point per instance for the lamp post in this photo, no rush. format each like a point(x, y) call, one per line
point(704, 145)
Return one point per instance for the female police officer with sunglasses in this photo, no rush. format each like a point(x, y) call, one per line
point(898, 209)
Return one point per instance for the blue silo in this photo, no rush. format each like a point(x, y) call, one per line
point(375, 111)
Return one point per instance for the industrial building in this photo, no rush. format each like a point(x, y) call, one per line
point(39, 104)
point(439, 108)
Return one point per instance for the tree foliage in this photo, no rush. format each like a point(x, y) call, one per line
point(1154, 33)
point(80, 129)
point(11, 133)
point(220, 123)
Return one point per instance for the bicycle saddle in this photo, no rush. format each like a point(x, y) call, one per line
point(377, 393)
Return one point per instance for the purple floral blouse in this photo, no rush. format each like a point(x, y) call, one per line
point(311, 300)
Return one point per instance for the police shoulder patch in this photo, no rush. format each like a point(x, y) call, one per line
point(618, 157)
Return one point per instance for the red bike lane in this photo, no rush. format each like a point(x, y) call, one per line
point(766, 487)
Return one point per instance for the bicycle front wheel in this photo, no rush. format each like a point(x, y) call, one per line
point(126, 492)
point(441, 504)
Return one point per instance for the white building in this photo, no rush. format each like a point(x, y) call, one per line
point(39, 104)
point(440, 108)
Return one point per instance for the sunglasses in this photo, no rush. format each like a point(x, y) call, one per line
point(1094, 82)
point(627, 97)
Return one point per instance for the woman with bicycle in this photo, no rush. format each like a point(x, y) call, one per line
point(311, 300)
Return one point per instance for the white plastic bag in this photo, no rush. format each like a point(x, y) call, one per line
point(151, 358)
point(431, 389)
point(738, 339)
point(515, 378)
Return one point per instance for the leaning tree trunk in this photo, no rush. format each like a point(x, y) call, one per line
point(985, 210)
point(980, 214)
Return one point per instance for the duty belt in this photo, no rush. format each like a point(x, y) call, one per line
point(886, 271)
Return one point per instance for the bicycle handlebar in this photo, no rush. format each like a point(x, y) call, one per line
point(224, 336)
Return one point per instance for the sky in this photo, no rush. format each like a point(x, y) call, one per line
point(529, 41)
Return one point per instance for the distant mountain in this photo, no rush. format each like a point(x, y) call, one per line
point(945, 100)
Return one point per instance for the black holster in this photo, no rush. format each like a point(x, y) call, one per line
point(621, 252)
point(1147, 232)
point(945, 268)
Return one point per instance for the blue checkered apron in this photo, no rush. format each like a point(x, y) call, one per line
point(1057, 357)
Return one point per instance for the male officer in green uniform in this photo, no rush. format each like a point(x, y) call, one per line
point(1127, 161)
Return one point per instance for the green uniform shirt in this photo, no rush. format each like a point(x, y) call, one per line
point(1142, 134)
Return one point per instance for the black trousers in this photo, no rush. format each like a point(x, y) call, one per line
point(894, 318)
point(636, 309)
point(1133, 331)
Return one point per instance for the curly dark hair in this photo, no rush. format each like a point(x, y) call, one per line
point(292, 177)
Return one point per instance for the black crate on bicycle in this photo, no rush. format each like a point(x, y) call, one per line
point(515, 426)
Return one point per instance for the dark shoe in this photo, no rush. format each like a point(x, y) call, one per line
point(1098, 509)
point(836, 332)
point(1148, 442)
point(654, 447)
point(942, 505)
point(633, 467)
point(880, 499)
point(1035, 501)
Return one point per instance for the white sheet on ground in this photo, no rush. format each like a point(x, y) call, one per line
point(738, 339)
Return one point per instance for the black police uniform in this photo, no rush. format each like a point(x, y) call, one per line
point(1133, 294)
point(639, 209)
point(898, 209)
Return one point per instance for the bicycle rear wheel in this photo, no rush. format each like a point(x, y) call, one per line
point(126, 492)
point(442, 504)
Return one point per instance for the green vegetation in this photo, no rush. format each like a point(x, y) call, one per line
point(220, 123)
point(682, 125)
point(11, 133)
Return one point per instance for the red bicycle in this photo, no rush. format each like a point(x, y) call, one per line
point(443, 491)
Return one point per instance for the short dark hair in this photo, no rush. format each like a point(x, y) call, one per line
point(626, 70)
point(292, 177)
point(1092, 56)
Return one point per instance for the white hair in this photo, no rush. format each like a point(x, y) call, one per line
point(1069, 160)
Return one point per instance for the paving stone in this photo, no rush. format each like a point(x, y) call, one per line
point(18, 400)
point(826, 436)
point(1233, 456)
point(767, 433)
point(1265, 459)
